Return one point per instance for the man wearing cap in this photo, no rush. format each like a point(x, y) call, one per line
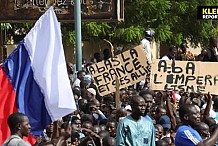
point(166, 124)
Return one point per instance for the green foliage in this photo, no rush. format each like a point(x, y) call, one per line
point(6, 26)
point(129, 35)
point(68, 34)
point(172, 21)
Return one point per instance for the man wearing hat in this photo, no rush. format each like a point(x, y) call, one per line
point(166, 124)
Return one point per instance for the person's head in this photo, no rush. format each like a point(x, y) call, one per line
point(213, 42)
point(70, 68)
point(102, 126)
point(111, 127)
point(19, 124)
point(94, 60)
point(108, 100)
point(123, 94)
point(75, 138)
point(109, 141)
point(77, 92)
point(76, 122)
point(160, 111)
point(104, 133)
point(91, 108)
point(92, 92)
point(215, 103)
point(213, 128)
point(96, 129)
point(173, 51)
point(121, 113)
point(203, 130)
point(49, 129)
point(184, 47)
point(149, 34)
point(87, 117)
point(210, 121)
point(131, 92)
point(87, 125)
point(97, 56)
point(168, 140)
point(189, 115)
point(84, 84)
point(107, 54)
point(161, 143)
point(82, 104)
point(107, 109)
point(97, 104)
point(81, 74)
point(83, 61)
point(159, 132)
point(138, 105)
point(148, 97)
point(166, 123)
point(196, 101)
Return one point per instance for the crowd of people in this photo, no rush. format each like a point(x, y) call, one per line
point(144, 117)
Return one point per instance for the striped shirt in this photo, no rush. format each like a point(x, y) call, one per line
point(187, 136)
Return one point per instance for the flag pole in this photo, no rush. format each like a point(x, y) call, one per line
point(117, 93)
point(77, 16)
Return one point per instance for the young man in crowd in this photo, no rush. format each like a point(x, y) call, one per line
point(19, 127)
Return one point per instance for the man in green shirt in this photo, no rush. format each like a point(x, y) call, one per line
point(135, 130)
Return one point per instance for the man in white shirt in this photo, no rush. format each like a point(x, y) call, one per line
point(146, 43)
point(80, 76)
point(172, 54)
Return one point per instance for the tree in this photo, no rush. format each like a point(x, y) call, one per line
point(172, 20)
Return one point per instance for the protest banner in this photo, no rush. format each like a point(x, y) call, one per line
point(188, 76)
point(129, 67)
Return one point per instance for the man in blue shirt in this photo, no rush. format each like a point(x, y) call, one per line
point(186, 135)
point(135, 130)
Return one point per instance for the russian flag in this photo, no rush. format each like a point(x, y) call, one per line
point(34, 79)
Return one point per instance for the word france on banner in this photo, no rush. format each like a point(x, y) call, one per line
point(187, 76)
point(129, 68)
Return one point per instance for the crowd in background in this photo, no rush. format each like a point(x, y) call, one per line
point(144, 117)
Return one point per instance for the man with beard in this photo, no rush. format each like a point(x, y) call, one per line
point(135, 130)
point(186, 135)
